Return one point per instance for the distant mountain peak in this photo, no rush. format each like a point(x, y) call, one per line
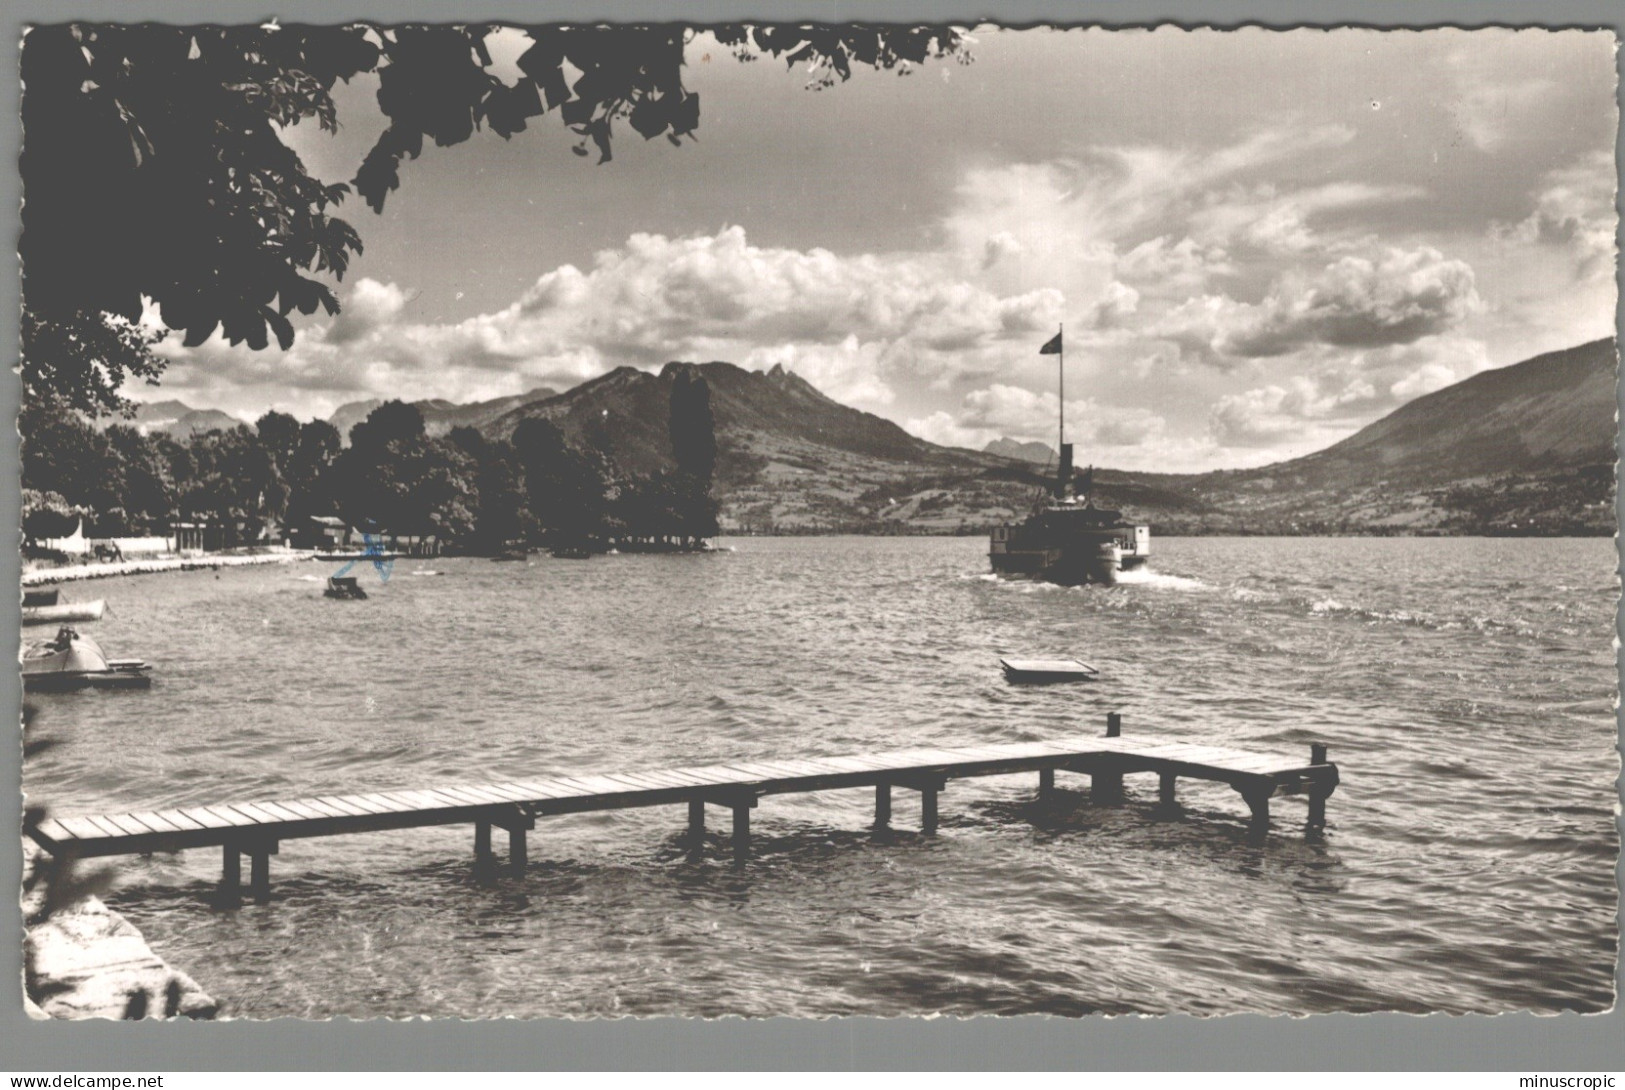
point(1035, 452)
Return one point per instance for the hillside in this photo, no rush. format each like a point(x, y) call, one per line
point(1528, 448)
point(789, 458)
point(175, 418)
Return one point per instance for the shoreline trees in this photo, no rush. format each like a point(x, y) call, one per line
point(474, 495)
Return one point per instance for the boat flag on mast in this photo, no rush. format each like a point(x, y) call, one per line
point(1053, 348)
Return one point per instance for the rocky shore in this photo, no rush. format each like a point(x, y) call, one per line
point(76, 572)
point(87, 961)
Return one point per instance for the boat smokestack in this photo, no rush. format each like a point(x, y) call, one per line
point(1063, 473)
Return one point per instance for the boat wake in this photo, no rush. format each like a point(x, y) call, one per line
point(1145, 577)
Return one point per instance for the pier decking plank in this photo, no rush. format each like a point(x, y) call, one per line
point(126, 824)
point(105, 825)
point(178, 819)
point(207, 818)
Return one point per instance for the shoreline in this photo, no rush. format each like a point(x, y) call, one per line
point(72, 573)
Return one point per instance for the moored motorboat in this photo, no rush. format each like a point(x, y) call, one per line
point(69, 661)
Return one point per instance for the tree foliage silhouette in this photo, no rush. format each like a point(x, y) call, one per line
point(154, 165)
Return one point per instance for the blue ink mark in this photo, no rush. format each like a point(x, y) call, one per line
point(374, 548)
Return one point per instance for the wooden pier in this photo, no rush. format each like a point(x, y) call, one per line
point(256, 829)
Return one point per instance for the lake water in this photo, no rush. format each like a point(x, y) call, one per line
point(1466, 688)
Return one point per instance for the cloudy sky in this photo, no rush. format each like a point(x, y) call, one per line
point(1258, 241)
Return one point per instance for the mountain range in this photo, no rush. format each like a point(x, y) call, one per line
point(1528, 448)
point(177, 419)
point(439, 415)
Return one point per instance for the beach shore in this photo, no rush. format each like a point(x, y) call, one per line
point(77, 572)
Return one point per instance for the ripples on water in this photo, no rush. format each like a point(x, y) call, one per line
point(1466, 688)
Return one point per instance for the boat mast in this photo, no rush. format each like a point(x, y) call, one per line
point(1061, 368)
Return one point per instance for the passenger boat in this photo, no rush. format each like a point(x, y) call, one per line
point(572, 552)
point(1067, 539)
point(70, 661)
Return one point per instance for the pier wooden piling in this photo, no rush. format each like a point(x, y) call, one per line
point(257, 829)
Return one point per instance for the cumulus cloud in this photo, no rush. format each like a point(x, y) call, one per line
point(1342, 392)
point(1271, 222)
point(1396, 297)
point(1173, 269)
point(1001, 410)
point(853, 324)
point(1574, 208)
point(1266, 415)
point(370, 306)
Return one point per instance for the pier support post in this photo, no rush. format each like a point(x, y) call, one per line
point(1106, 786)
point(1046, 784)
point(696, 824)
point(1258, 801)
point(1114, 725)
point(882, 805)
point(482, 842)
point(928, 786)
point(1317, 796)
point(231, 875)
point(518, 853)
point(741, 837)
point(259, 861)
point(1166, 796)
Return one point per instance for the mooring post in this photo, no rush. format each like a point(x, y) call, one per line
point(1166, 789)
point(882, 805)
point(1317, 795)
point(696, 823)
point(482, 842)
point(1046, 784)
point(231, 874)
point(1107, 784)
point(741, 838)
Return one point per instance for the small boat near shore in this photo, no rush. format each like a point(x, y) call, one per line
point(344, 587)
point(58, 612)
point(69, 661)
point(356, 555)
